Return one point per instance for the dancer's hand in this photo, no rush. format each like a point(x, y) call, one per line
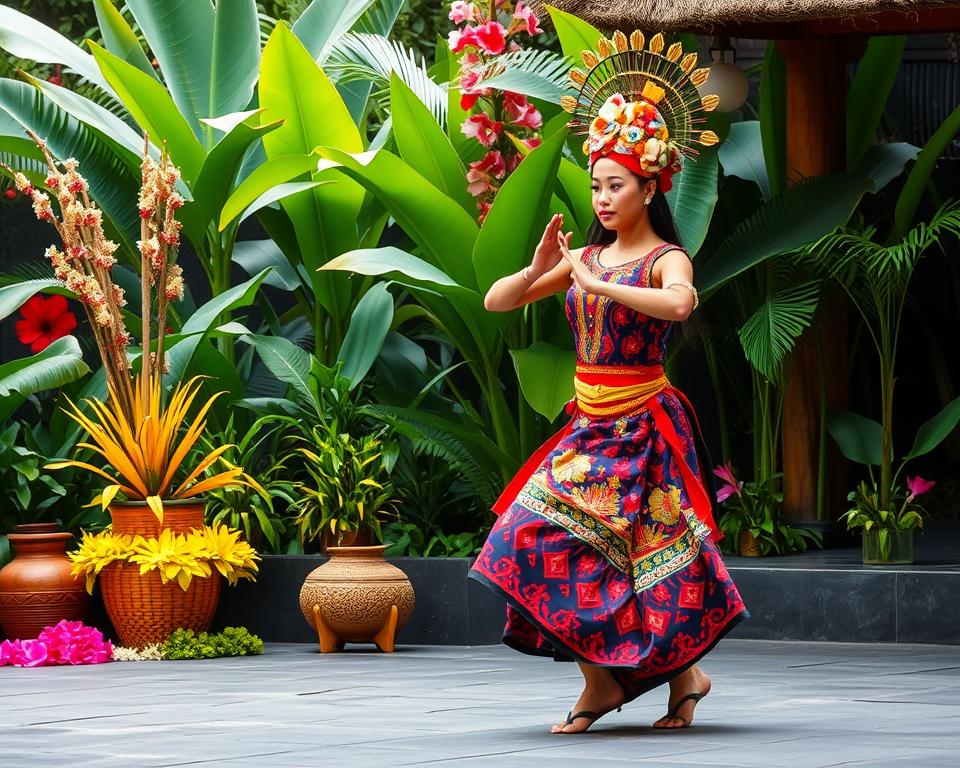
point(547, 255)
point(579, 271)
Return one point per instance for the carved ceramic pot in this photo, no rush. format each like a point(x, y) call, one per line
point(354, 593)
point(36, 587)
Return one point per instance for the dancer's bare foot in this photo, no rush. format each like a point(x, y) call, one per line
point(601, 695)
point(686, 689)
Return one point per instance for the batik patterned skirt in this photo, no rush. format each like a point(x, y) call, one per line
point(605, 545)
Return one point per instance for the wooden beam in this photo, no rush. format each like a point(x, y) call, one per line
point(816, 144)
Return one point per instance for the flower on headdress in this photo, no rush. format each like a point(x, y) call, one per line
point(481, 128)
point(44, 321)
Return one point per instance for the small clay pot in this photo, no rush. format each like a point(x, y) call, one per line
point(37, 589)
point(747, 545)
point(355, 591)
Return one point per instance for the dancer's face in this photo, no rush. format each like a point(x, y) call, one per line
point(618, 195)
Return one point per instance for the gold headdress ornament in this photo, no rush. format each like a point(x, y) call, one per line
point(640, 104)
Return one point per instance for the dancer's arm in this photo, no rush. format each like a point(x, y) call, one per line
point(673, 303)
point(547, 274)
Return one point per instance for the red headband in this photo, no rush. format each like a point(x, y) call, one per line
point(632, 163)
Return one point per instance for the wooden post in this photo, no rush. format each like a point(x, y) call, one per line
point(816, 144)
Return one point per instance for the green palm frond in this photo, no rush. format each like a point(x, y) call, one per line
point(801, 214)
point(772, 331)
point(435, 436)
point(856, 260)
point(362, 57)
point(538, 74)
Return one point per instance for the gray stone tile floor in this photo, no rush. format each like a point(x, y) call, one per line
point(802, 705)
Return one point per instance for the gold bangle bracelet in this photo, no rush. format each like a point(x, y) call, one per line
point(685, 284)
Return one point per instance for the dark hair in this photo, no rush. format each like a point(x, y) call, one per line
point(661, 219)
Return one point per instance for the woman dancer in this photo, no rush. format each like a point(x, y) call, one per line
point(605, 544)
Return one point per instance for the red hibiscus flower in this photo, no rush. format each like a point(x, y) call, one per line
point(492, 38)
point(44, 321)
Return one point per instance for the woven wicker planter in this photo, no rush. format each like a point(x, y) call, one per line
point(143, 609)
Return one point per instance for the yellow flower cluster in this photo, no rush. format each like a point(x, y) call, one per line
point(177, 557)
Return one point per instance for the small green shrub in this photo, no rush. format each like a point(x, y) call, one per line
point(233, 641)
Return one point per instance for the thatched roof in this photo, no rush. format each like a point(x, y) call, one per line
point(677, 15)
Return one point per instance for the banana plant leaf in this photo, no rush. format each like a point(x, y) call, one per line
point(60, 363)
point(860, 439)
point(869, 91)
point(936, 430)
point(369, 326)
point(425, 147)
point(119, 38)
point(546, 375)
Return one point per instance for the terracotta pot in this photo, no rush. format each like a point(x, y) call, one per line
point(135, 517)
point(747, 545)
point(143, 609)
point(36, 587)
point(356, 596)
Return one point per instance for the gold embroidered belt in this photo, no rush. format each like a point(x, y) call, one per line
point(612, 390)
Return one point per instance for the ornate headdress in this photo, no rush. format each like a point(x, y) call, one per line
point(640, 106)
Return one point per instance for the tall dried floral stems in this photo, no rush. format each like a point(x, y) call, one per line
point(86, 261)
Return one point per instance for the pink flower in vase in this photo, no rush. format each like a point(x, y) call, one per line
point(491, 38)
point(461, 12)
point(918, 486)
point(730, 485)
point(525, 19)
point(482, 128)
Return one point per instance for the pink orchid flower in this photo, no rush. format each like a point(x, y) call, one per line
point(482, 128)
point(461, 12)
point(730, 485)
point(482, 173)
point(525, 19)
point(918, 486)
point(458, 40)
point(521, 112)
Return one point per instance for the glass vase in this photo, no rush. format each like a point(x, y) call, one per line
point(882, 546)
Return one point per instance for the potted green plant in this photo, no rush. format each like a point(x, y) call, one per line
point(750, 521)
point(887, 531)
point(875, 273)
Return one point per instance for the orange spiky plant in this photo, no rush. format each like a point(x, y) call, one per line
point(145, 441)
